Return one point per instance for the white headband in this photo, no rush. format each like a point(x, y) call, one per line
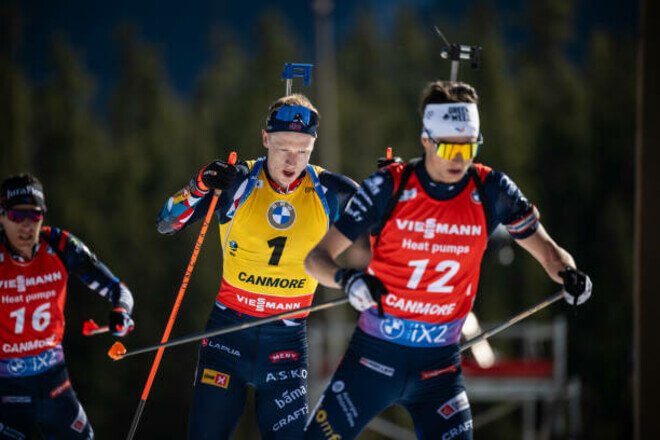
point(454, 119)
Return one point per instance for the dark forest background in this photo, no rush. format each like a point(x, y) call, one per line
point(560, 124)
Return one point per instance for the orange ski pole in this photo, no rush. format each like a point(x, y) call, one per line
point(170, 323)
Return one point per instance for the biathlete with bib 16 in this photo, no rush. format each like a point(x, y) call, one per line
point(35, 264)
point(429, 221)
point(272, 211)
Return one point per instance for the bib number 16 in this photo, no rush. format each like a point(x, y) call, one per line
point(40, 318)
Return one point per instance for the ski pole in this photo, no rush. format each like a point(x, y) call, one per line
point(175, 309)
point(117, 354)
point(508, 323)
point(91, 328)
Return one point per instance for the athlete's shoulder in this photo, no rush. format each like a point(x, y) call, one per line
point(499, 181)
point(336, 183)
point(54, 237)
point(483, 170)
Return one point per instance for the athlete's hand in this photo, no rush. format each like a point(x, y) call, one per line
point(577, 286)
point(363, 290)
point(120, 322)
point(217, 175)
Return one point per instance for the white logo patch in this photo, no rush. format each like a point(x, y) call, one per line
point(338, 386)
point(455, 405)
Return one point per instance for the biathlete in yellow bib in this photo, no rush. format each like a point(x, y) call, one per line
point(272, 212)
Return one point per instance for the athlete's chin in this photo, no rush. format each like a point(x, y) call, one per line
point(453, 176)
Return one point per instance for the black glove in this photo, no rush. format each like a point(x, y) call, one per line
point(383, 161)
point(120, 322)
point(577, 286)
point(363, 290)
point(216, 175)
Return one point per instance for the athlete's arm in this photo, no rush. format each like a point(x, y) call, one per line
point(320, 262)
point(522, 221)
point(362, 212)
point(552, 257)
point(80, 261)
point(191, 203)
point(509, 206)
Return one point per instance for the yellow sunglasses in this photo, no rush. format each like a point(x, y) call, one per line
point(449, 150)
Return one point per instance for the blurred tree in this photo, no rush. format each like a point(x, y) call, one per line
point(367, 105)
point(561, 130)
point(606, 245)
point(15, 109)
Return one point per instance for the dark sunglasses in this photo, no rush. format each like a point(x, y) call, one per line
point(296, 113)
point(18, 215)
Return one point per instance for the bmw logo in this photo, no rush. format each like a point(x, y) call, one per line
point(281, 215)
point(392, 328)
point(16, 366)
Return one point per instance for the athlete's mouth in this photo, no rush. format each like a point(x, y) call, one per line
point(25, 237)
point(288, 173)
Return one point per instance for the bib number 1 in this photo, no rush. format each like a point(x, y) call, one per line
point(277, 244)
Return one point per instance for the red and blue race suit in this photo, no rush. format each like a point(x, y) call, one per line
point(266, 232)
point(428, 257)
point(34, 384)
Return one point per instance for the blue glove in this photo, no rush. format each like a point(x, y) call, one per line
point(120, 322)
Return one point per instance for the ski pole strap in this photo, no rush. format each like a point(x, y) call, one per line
point(405, 176)
point(474, 174)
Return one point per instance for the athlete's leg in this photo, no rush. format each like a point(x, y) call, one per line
point(436, 399)
point(61, 415)
point(221, 378)
point(366, 382)
point(281, 381)
point(17, 407)
point(218, 401)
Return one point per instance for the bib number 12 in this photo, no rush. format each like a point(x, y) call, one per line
point(448, 268)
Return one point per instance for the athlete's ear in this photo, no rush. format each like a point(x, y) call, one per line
point(264, 138)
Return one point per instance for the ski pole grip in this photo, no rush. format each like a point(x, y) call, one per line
point(232, 158)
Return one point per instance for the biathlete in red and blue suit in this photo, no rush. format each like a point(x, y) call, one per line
point(272, 211)
point(35, 263)
point(422, 280)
